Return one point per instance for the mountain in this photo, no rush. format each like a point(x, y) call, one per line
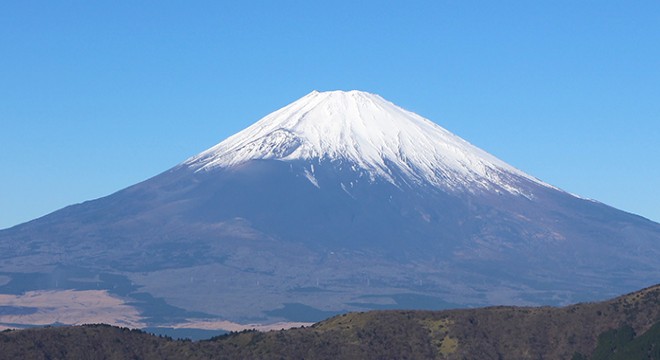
point(627, 327)
point(340, 201)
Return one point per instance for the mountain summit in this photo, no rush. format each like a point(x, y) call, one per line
point(366, 132)
point(340, 201)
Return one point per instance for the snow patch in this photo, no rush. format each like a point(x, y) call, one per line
point(310, 176)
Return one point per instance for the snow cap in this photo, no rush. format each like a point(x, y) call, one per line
point(368, 131)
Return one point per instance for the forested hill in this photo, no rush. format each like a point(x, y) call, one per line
point(627, 327)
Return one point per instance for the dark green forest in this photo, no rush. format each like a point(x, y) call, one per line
point(627, 327)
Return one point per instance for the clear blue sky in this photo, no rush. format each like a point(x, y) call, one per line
point(99, 95)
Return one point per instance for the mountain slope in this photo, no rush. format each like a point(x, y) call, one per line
point(338, 202)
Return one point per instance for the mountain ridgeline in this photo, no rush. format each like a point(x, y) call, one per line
point(340, 201)
point(627, 327)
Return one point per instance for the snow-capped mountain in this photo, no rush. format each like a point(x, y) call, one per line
point(368, 133)
point(339, 201)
